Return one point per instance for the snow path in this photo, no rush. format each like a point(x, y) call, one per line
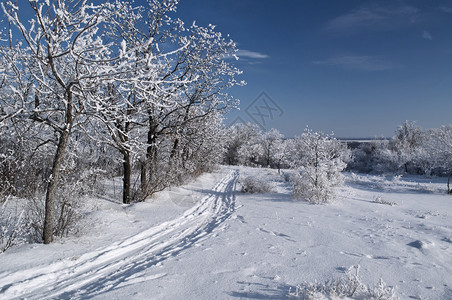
point(122, 262)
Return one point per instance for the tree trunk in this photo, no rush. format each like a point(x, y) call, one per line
point(268, 157)
point(49, 220)
point(185, 155)
point(449, 191)
point(173, 153)
point(150, 154)
point(126, 178)
point(143, 177)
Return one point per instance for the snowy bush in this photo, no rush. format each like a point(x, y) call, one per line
point(319, 160)
point(255, 184)
point(13, 227)
point(438, 147)
point(348, 287)
point(67, 217)
point(79, 177)
point(381, 292)
point(73, 187)
point(22, 165)
point(315, 193)
point(8, 171)
point(379, 199)
point(411, 150)
point(287, 176)
point(403, 153)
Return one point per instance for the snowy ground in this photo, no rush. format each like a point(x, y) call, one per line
point(207, 240)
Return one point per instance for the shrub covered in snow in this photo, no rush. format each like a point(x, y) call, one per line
point(319, 160)
point(67, 214)
point(255, 184)
point(411, 151)
point(348, 287)
point(288, 176)
point(379, 199)
point(13, 226)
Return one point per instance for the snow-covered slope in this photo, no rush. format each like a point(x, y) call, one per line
point(207, 240)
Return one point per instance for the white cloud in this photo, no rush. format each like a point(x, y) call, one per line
point(446, 9)
point(362, 63)
point(373, 17)
point(426, 35)
point(250, 54)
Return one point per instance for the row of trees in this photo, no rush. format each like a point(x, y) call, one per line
point(86, 88)
point(318, 159)
point(411, 150)
point(246, 144)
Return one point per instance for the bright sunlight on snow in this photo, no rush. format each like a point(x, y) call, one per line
point(207, 240)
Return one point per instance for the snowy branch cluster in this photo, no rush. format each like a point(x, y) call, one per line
point(108, 88)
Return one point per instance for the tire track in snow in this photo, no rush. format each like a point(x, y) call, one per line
point(122, 263)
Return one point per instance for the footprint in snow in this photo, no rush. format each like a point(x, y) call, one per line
point(447, 240)
point(420, 244)
point(282, 235)
point(241, 219)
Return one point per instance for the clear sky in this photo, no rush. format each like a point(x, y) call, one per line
point(357, 68)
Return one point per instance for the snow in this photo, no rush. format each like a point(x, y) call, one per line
point(207, 240)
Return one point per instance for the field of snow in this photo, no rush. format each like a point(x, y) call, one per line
point(207, 240)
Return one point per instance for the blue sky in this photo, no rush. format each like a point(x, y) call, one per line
point(357, 68)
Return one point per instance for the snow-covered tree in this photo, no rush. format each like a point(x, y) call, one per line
point(270, 142)
point(238, 137)
point(140, 85)
point(66, 53)
point(251, 151)
point(203, 100)
point(130, 77)
point(319, 160)
point(280, 153)
point(438, 145)
point(406, 142)
point(246, 144)
point(195, 70)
